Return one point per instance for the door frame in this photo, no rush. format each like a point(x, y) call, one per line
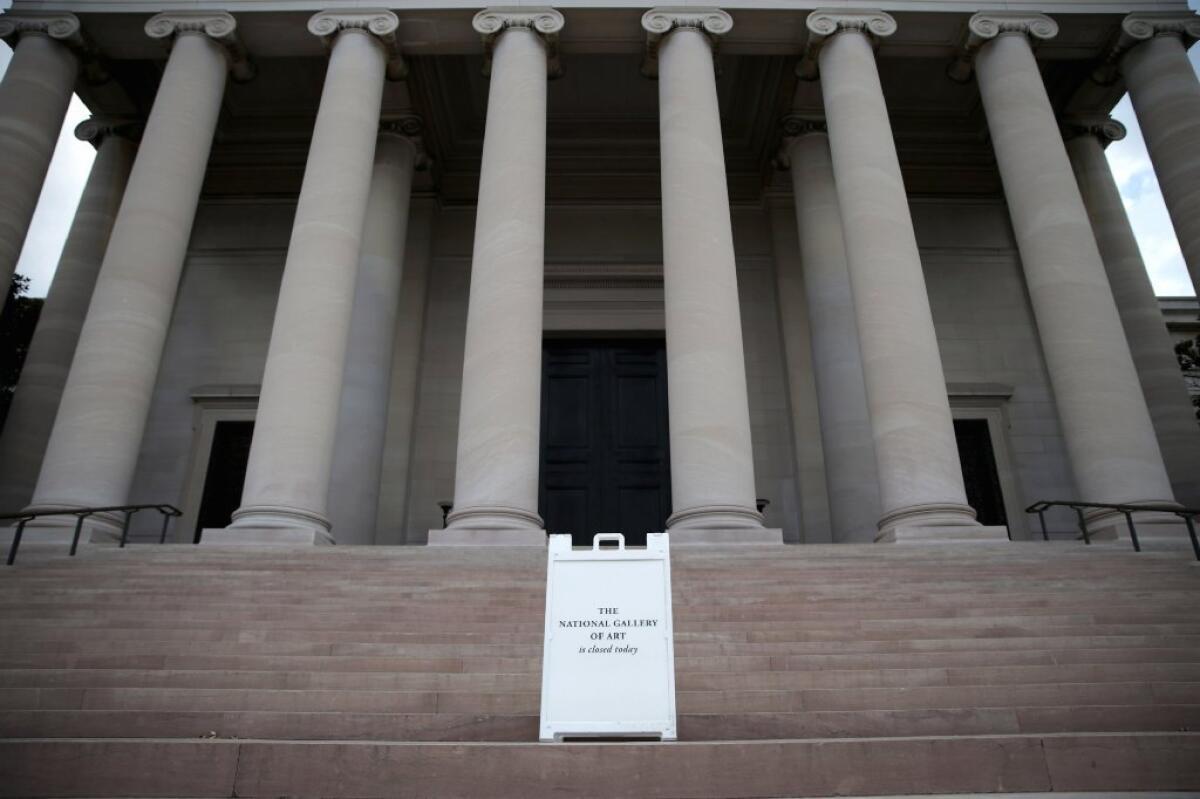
point(991, 410)
point(210, 409)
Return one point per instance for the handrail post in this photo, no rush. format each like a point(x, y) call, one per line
point(125, 527)
point(1042, 518)
point(1137, 547)
point(16, 542)
point(1191, 527)
point(162, 538)
point(1082, 524)
point(78, 529)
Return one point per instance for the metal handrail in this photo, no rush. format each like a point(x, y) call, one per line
point(1128, 509)
point(81, 515)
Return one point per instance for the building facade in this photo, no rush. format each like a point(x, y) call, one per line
point(758, 273)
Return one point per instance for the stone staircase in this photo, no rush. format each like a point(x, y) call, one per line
point(181, 671)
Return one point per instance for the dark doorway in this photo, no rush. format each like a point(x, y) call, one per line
point(980, 474)
point(225, 475)
point(605, 463)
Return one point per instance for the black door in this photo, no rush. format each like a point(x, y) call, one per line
point(980, 474)
point(225, 475)
point(605, 465)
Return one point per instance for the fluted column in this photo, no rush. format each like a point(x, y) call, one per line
point(363, 414)
point(1153, 356)
point(93, 448)
point(712, 464)
point(1110, 439)
point(34, 94)
point(920, 480)
point(291, 455)
point(31, 415)
point(850, 471)
point(496, 474)
point(1165, 92)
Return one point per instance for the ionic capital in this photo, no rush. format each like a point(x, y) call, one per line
point(794, 127)
point(1106, 130)
point(216, 25)
point(410, 128)
point(491, 23)
point(96, 129)
point(1141, 27)
point(826, 22)
point(660, 22)
point(378, 22)
point(58, 26)
point(987, 25)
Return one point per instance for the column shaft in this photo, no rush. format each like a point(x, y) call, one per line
point(363, 414)
point(837, 362)
point(34, 95)
point(712, 464)
point(31, 416)
point(287, 475)
point(1109, 436)
point(1149, 343)
point(1165, 92)
point(496, 473)
point(920, 480)
point(93, 448)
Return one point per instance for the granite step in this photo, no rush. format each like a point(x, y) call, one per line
point(797, 767)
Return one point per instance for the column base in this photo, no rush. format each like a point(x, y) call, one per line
point(1154, 530)
point(705, 536)
point(715, 517)
point(961, 534)
point(99, 528)
point(271, 525)
point(482, 537)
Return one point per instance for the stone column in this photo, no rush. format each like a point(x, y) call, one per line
point(291, 455)
point(1110, 439)
point(496, 473)
point(363, 414)
point(34, 95)
point(1149, 343)
point(93, 448)
point(920, 479)
point(712, 465)
point(837, 363)
point(31, 415)
point(1166, 97)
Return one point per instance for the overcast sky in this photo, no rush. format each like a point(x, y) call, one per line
point(1130, 165)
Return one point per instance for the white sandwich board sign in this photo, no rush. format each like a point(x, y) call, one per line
point(609, 664)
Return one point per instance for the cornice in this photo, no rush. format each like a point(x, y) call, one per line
point(1106, 130)
point(546, 22)
point(379, 22)
point(987, 25)
point(660, 22)
point(826, 22)
point(219, 26)
point(96, 129)
point(1142, 27)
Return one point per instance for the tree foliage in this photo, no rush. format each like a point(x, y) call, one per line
point(17, 321)
point(1188, 353)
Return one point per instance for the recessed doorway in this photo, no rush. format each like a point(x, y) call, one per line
point(225, 475)
point(981, 477)
point(605, 464)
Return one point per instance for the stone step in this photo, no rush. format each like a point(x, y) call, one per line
point(854, 766)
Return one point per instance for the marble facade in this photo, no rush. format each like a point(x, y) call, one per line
point(356, 227)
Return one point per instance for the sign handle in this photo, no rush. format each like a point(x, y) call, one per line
point(618, 537)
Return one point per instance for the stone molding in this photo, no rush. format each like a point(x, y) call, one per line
point(1106, 129)
point(826, 22)
point(1142, 27)
point(660, 22)
point(96, 129)
point(793, 127)
point(546, 22)
point(379, 22)
point(219, 26)
point(408, 127)
point(987, 25)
